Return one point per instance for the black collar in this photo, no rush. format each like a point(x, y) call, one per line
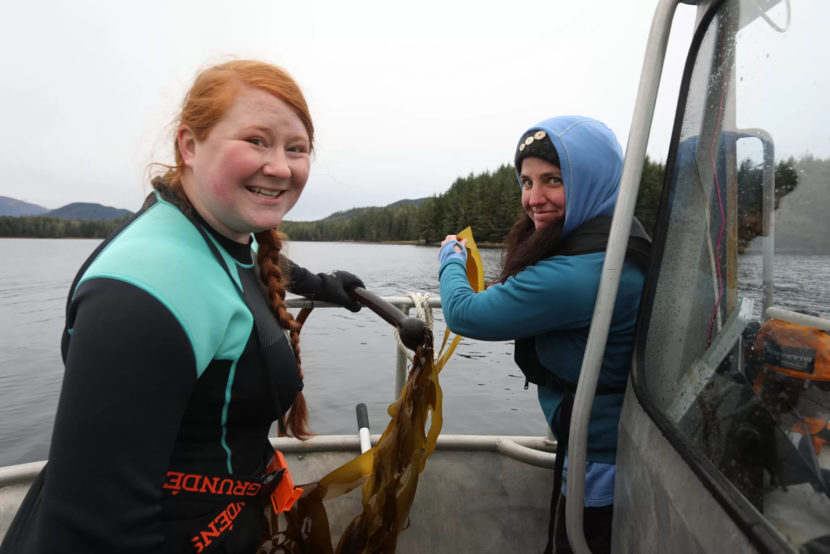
point(592, 236)
point(240, 252)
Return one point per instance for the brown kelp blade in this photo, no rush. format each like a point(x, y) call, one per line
point(388, 472)
point(475, 269)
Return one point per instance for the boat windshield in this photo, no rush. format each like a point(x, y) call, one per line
point(737, 353)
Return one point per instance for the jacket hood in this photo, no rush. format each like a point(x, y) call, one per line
point(591, 161)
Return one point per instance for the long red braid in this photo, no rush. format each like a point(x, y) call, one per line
point(270, 272)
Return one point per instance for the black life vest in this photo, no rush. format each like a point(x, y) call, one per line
point(589, 238)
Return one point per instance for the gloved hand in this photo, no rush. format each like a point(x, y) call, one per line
point(335, 285)
point(448, 251)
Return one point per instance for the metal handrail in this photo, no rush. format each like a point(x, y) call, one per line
point(403, 303)
point(20, 473)
point(539, 453)
point(612, 268)
point(532, 450)
point(768, 211)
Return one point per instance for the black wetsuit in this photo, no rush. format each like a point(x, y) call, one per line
point(174, 365)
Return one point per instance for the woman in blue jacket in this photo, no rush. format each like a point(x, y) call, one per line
point(569, 169)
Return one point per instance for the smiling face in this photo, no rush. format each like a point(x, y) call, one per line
point(543, 191)
point(250, 169)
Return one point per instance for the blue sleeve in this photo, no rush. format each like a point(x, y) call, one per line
point(447, 251)
point(556, 293)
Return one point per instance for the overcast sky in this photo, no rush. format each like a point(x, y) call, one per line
point(405, 97)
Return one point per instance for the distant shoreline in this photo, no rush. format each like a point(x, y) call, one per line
point(52, 238)
point(404, 242)
point(488, 245)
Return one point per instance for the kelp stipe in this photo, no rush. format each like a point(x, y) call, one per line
point(389, 471)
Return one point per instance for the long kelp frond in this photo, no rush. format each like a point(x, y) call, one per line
point(389, 471)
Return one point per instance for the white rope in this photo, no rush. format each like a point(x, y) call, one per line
point(423, 311)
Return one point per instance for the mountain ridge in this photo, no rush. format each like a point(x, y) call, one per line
point(17, 208)
point(351, 213)
point(97, 212)
point(88, 211)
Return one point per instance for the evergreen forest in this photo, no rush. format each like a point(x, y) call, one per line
point(490, 203)
point(57, 227)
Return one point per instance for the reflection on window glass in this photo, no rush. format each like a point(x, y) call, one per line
point(738, 351)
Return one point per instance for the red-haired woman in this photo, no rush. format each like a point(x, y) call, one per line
point(175, 347)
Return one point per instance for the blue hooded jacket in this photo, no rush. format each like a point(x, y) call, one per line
point(553, 300)
point(591, 162)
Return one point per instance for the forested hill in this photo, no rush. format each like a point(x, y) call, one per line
point(355, 212)
point(79, 219)
point(801, 222)
point(489, 202)
point(88, 210)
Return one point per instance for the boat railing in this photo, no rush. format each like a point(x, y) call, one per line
point(537, 451)
point(20, 474)
point(635, 152)
point(403, 303)
point(768, 211)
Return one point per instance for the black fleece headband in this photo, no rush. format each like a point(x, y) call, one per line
point(536, 144)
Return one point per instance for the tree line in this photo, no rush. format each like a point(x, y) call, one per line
point(56, 228)
point(490, 202)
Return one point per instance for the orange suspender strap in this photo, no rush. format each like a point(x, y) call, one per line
point(276, 483)
point(285, 494)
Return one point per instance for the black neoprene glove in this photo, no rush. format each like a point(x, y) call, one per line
point(334, 287)
point(326, 287)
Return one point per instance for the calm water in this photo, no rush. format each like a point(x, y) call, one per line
point(799, 282)
point(347, 358)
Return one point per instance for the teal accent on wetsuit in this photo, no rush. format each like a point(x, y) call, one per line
point(174, 362)
point(213, 315)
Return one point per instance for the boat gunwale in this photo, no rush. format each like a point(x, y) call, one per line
point(540, 448)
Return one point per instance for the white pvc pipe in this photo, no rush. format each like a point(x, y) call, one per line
point(777, 312)
point(525, 454)
point(612, 268)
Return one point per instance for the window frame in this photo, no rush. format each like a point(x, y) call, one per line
point(753, 524)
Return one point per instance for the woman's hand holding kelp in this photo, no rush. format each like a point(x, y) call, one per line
point(451, 247)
